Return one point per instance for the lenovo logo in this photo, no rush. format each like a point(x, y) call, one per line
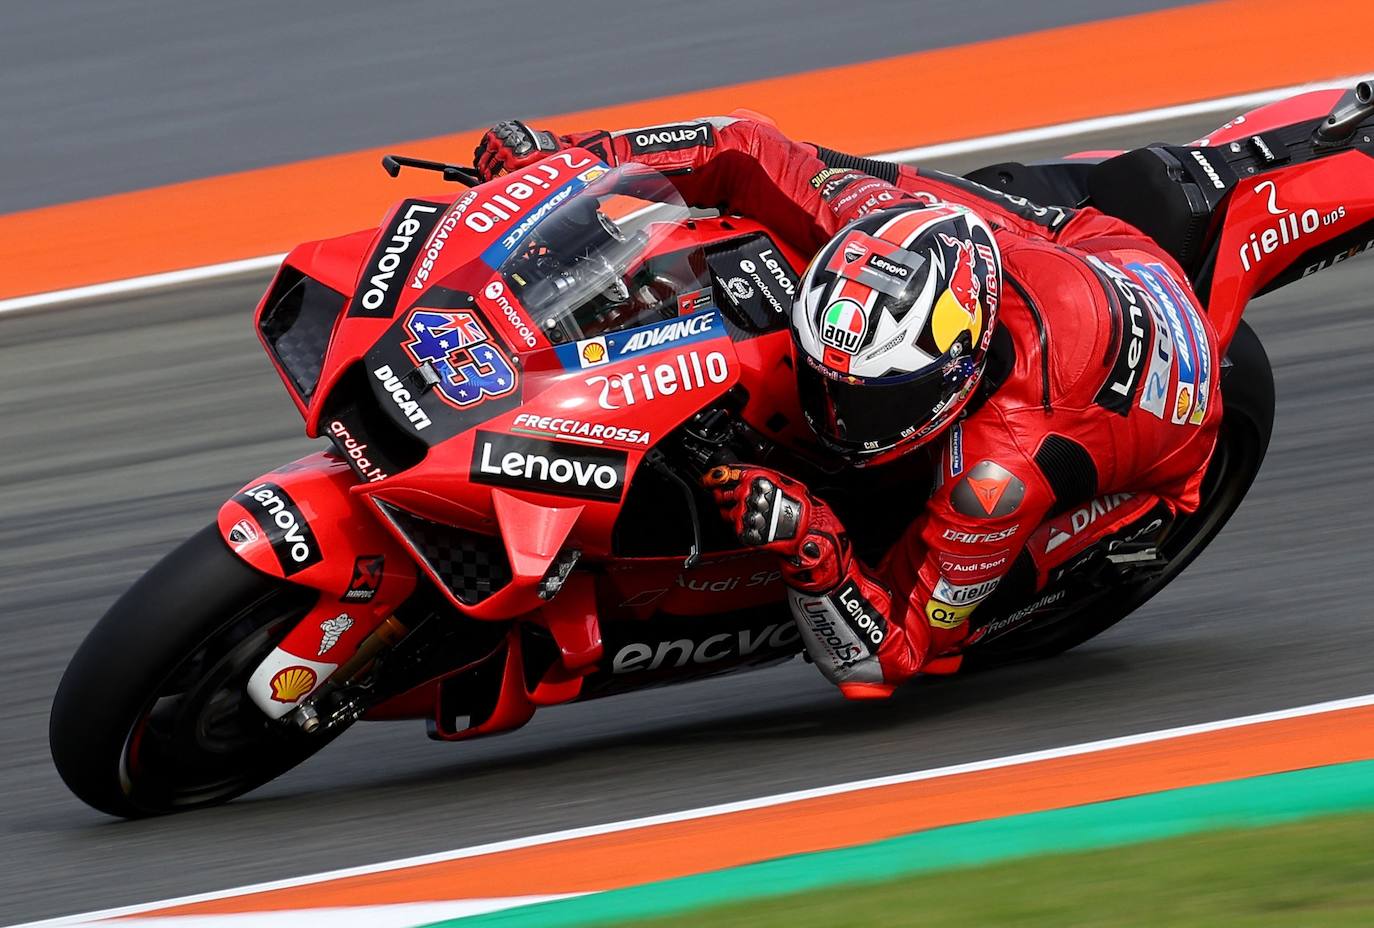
point(555, 467)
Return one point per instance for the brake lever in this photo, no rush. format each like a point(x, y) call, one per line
point(658, 462)
point(468, 177)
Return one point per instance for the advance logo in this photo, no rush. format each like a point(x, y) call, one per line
point(556, 467)
point(617, 346)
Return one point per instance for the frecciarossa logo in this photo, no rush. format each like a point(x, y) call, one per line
point(280, 519)
point(556, 467)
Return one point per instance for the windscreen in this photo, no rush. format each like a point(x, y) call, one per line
point(606, 258)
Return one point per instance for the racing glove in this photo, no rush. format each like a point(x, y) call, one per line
point(511, 145)
point(845, 616)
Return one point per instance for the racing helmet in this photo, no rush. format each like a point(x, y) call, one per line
point(891, 327)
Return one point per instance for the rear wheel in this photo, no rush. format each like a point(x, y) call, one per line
point(152, 714)
point(1247, 422)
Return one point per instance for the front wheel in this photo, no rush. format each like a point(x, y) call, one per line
point(152, 714)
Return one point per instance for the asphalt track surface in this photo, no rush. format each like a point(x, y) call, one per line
point(126, 423)
point(104, 96)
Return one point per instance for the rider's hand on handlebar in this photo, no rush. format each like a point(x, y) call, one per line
point(776, 513)
point(511, 145)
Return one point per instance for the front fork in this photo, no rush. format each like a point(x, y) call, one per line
point(301, 523)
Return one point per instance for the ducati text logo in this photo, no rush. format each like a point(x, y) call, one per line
point(286, 529)
point(671, 138)
point(1207, 169)
point(409, 407)
point(470, 366)
point(400, 245)
point(683, 373)
point(554, 467)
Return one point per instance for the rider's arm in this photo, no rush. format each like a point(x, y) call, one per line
point(805, 192)
point(991, 499)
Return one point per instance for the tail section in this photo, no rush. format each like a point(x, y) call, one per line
point(1261, 202)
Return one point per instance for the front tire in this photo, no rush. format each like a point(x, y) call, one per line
point(152, 715)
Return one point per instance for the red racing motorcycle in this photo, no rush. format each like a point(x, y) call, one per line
point(521, 386)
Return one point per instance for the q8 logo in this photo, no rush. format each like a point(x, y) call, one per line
point(470, 365)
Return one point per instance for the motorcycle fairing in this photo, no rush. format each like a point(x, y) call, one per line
point(301, 523)
point(1285, 224)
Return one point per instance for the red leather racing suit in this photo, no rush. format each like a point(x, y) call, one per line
point(1109, 402)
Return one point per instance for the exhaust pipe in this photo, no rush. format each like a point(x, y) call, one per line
point(1352, 109)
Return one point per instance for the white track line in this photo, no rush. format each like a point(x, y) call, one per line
point(966, 146)
point(728, 808)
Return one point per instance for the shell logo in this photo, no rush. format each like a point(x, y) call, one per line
point(1185, 399)
point(291, 683)
point(593, 353)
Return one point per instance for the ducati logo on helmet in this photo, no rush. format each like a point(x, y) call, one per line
point(843, 326)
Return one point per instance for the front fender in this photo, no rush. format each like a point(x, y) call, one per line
point(300, 523)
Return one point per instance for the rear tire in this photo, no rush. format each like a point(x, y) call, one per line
point(152, 714)
point(1247, 423)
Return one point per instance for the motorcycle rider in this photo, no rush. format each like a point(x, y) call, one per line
point(1058, 356)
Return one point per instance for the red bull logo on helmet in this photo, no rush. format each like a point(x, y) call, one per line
point(959, 308)
point(963, 283)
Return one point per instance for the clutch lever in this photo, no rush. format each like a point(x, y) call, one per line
point(468, 177)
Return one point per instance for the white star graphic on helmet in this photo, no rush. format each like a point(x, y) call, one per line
point(894, 342)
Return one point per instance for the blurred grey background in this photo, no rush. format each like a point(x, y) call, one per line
point(103, 96)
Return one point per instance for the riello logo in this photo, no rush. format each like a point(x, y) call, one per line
point(1287, 226)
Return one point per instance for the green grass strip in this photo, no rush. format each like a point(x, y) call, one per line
point(1318, 873)
point(1249, 803)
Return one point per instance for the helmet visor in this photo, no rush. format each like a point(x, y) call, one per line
point(873, 415)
